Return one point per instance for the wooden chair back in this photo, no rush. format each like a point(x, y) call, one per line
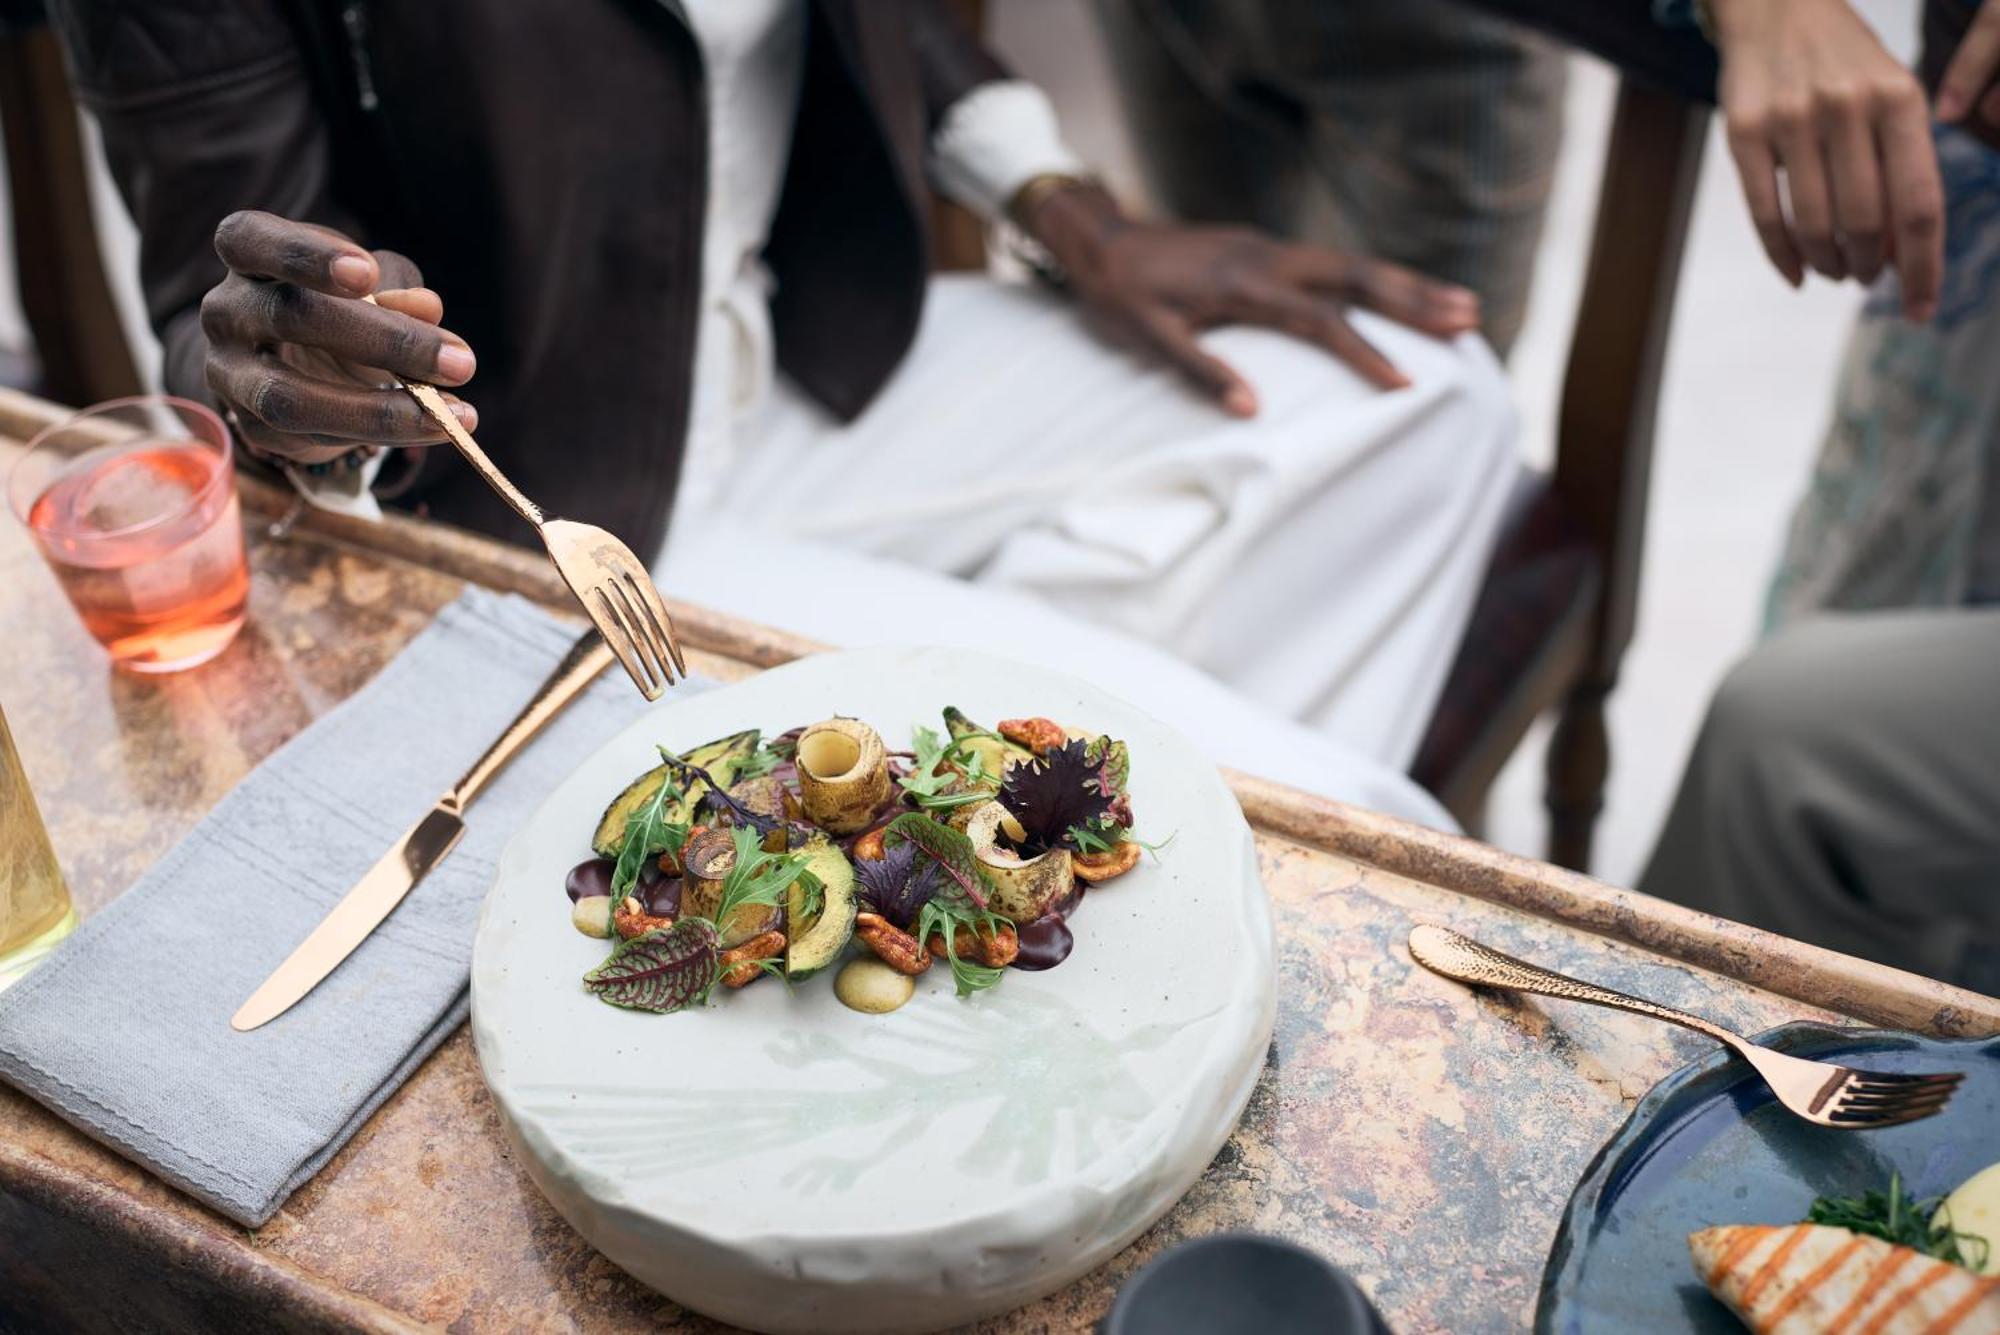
point(80, 348)
point(1557, 611)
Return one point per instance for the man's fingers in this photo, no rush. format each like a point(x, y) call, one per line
point(419, 303)
point(1758, 170)
point(1972, 66)
point(291, 449)
point(256, 314)
point(263, 245)
point(1404, 295)
point(1172, 337)
point(262, 388)
point(1322, 322)
point(1804, 162)
point(1916, 209)
point(1856, 183)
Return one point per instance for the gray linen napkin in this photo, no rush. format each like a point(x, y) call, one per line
point(125, 1030)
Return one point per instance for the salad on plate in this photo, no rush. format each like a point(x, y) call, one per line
point(820, 846)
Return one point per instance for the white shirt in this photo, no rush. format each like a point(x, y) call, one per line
point(987, 145)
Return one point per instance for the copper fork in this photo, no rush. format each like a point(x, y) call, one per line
point(1836, 1096)
point(608, 580)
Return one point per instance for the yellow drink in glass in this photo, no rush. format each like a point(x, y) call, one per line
point(35, 911)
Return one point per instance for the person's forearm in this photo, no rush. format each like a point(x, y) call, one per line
point(192, 132)
point(951, 60)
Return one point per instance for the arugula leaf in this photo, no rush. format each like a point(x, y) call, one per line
point(813, 901)
point(771, 964)
point(759, 763)
point(756, 877)
point(939, 780)
point(668, 969)
point(1090, 839)
point(648, 833)
point(941, 915)
point(774, 753)
point(948, 848)
point(1104, 837)
point(1896, 1218)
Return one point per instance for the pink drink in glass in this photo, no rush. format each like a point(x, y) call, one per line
point(142, 528)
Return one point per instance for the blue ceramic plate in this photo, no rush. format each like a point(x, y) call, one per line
point(1709, 1145)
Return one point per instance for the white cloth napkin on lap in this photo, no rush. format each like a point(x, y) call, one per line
point(125, 1030)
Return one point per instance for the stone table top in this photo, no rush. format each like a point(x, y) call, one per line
point(1421, 1136)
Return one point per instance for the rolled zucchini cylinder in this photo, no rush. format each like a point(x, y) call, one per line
point(843, 774)
point(1025, 889)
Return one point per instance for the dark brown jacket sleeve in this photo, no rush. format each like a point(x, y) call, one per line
point(951, 60)
point(205, 108)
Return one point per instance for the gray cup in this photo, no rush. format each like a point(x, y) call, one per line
point(1241, 1284)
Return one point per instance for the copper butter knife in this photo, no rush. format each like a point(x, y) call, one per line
point(422, 847)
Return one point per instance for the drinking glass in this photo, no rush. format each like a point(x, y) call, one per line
point(133, 504)
point(35, 911)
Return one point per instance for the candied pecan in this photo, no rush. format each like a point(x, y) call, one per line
point(996, 950)
point(631, 919)
point(1039, 735)
point(894, 946)
point(737, 962)
point(868, 848)
point(1120, 858)
point(670, 863)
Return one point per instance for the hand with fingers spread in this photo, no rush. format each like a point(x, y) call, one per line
point(302, 363)
point(1156, 286)
point(1810, 94)
point(1970, 88)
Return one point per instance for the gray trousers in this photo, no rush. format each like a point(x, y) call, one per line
point(1845, 790)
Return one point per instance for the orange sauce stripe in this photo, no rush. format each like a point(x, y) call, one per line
point(1961, 1309)
point(1747, 1237)
point(1939, 1270)
point(1820, 1274)
point(1896, 1259)
point(1772, 1265)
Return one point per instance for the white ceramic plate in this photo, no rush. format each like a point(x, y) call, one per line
point(781, 1162)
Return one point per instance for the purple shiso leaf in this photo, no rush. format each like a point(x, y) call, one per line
point(1050, 795)
point(898, 884)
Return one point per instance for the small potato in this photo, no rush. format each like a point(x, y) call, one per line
point(872, 987)
point(591, 915)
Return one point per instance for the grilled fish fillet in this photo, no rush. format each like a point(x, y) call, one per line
point(1809, 1279)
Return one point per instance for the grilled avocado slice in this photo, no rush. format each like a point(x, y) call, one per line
point(723, 758)
point(817, 941)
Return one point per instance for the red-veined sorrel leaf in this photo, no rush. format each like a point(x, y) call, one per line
point(667, 969)
point(947, 847)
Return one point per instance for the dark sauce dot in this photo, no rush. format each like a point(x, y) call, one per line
point(1045, 943)
point(589, 878)
point(659, 892)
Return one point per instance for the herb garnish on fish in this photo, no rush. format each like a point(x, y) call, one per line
point(1896, 1218)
